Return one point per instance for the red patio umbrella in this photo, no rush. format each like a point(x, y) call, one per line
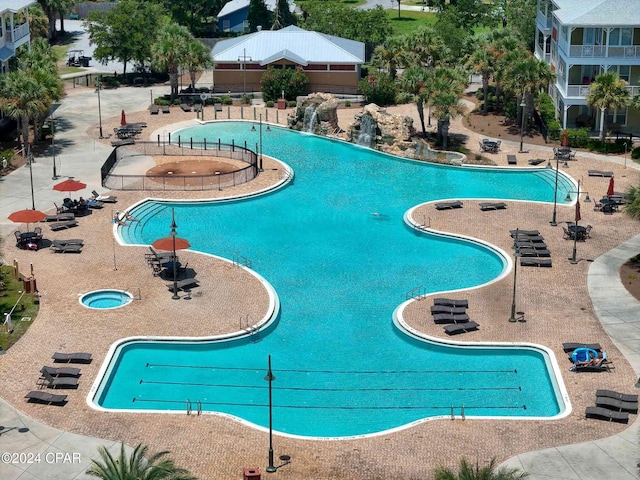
point(166, 243)
point(565, 138)
point(27, 216)
point(123, 119)
point(610, 189)
point(578, 217)
point(172, 243)
point(70, 185)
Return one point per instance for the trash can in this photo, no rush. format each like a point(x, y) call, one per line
point(26, 283)
point(282, 104)
point(251, 474)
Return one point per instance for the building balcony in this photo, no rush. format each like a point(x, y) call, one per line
point(602, 51)
point(543, 22)
point(18, 36)
point(581, 91)
point(542, 56)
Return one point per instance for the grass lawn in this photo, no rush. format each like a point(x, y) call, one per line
point(409, 21)
point(25, 308)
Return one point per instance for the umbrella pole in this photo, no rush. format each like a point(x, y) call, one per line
point(175, 276)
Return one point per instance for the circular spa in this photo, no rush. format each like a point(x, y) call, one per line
point(106, 299)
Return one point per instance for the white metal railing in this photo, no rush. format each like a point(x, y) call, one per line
point(17, 33)
point(601, 51)
point(581, 91)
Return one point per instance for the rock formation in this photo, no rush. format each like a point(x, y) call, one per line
point(316, 113)
point(375, 128)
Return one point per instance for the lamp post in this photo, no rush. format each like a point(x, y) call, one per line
point(573, 260)
point(243, 62)
point(555, 192)
point(98, 88)
point(53, 146)
point(523, 105)
point(30, 161)
point(260, 166)
point(516, 254)
point(173, 258)
point(625, 154)
point(269, 377)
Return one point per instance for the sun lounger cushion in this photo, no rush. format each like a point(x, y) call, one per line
point(492, 206)
point(76, 357)
point(460, 328)
point(625, 397)
point(448, 205)
point(67, 248)
point(447, 309)
point(68, 241)
point(606, 414)
point(571, 346)
point(153, 110)
point(165, 109)
point(443, 318)
point(62, 225)
point(451, 302)
point(535, 262)
point(44, 397)
point(600, 173)
point(615, 404)
point(512, 160)
point(61, 371)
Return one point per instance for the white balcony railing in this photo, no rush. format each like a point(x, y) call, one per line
point(17, 33)
point(543, 20)
point(581, 91)
point(600, 51)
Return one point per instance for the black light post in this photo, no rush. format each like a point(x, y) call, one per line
point(516, 254)
point(260, 166)
point(523, 104)
point(33, 198)
point(173, 258)
point(555, 193)
point(269, 377)
point(573, 260)
point(98, 88)
point(53, 146)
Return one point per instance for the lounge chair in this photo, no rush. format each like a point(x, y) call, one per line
point(485, 206)
point(76, 357)
point(165, 109)
point(448, 205)
point(533, 252)
point(443, 318)
point(58, 382)
point(528, 238)
point(197, 107)
point(571, 346)
point(581, 358)
point(185, 107)
point(530, 244)
point(68, 241)
point(625, 397)
point(44, 397)
point(600, 173)
point(535, 262)
point(536, 161)
point(184, 284)
point(512, 160)
point(104, 198)
point(60, 217)
point(615, 404)
point(153, 110)
point(61, 371)
point(447, 309)
point(519, 232)
point(63, 225)
point(217, 107)
point(451, 302)
point(606, 414)
point(67, 248)
point(460, 328)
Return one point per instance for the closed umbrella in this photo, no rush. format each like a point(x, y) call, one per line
point(69, 185)
point(610, 191)
point(565, 138)
point(123, 119)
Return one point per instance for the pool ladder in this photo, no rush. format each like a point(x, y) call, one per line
point(417, 293)
point(239, 260)
point(250, 328)
point(190, 407)
point(424, 226)
point(453, 416)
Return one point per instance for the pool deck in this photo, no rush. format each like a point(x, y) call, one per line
point(565, 303)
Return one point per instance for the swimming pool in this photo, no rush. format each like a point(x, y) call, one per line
point(342, 368)
point(106, 299)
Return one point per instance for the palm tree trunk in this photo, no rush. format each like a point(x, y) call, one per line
point(25, 132)
point(173, 80)
point(420, 106)
point(445, 133)
point(603, 125)
point(485, 93)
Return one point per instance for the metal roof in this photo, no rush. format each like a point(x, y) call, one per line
point(290, 42)
point(15, 5)
point(235, 5)
point(598, 13)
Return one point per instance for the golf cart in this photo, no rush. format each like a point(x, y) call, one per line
point(77, 59)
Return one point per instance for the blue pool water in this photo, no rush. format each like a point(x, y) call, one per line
point(342, 368)
point(103, 299)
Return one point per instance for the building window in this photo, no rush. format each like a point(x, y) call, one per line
point(623, 71)
point(245, 26)
point(616, 116)
point(226, 25)
point(621, 36)
point(592, 36)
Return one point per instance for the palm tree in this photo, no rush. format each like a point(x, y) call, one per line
point(481, 61)
point(448, 88)
point(607, 91)
point(466, 471)
point(136, 467)
point(413, 81)
point(388, 55)
point(198, 59)
point(169, 52)
point(632, 208)
point(425, 47)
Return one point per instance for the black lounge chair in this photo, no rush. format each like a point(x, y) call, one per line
point(460, 328)
point(165, 109)
point(40, 396)
point(217, 106)
point(60, 217)
point(625, 397)
point(606, 414)
point(571, 346)
point(68, 241)
point(536, 161)
point(197, 107)
point(447, 309)
point(104, 198)
point(63, 225)
point(486, 206)
point(58, 382)
point(512, 160)
point(76, 357)
point(185, 107)
point(67, 248)
point(448, 205)
point(184, 284)
point(615, 404)
point(535, 262)
point(61, 371)
point(451, 302)
point(443, 318)
point(519, 232)
point(153, 110)
point(533, 252)
point(600, 173)
point(528, 238)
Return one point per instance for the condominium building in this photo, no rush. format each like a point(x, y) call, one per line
point(581, 39)
point(14, 28)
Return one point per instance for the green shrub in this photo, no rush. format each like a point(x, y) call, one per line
point(246, 99)
point(635, 153)
point(292, 103)
point(226, 100)
point(270, 104)
point(595, 144)
point(216, 99)
point(110, 82)
point(378, 88)
point(578, 137)
point(274, 81)
point(162, 101)
point(511, 110)
point(403, 97)
point(177, 101)
point(347, 103)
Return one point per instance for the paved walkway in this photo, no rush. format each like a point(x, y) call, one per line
point(78, 155)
